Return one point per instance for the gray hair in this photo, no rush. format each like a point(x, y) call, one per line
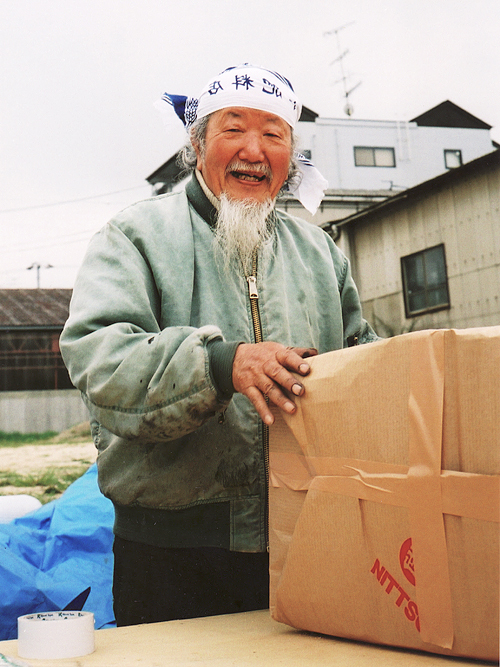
point(187, 157)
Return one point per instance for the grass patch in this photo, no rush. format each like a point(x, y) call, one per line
point(18, 439)
point(75, 434)
point(53, 481)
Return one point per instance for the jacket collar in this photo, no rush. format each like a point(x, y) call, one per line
point(200, 202)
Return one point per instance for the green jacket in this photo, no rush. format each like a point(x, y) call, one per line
point(154, 322)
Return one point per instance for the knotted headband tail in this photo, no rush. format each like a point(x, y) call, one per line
point(311, 185)
point(178, 102)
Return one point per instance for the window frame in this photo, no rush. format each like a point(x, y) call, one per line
point(427, 287)
point(374, 149)
point(453, 151)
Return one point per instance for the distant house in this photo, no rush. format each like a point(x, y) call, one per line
point(394, 155)
point(36, 394)
point(31, 321)
point(429, 257)
point(367, 161)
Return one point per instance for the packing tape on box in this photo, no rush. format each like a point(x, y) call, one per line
point(58, 634)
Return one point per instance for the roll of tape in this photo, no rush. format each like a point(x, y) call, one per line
point(55, 634)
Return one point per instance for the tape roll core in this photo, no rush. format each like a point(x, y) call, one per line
point(55, 634)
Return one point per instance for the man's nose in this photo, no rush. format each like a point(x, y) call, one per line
point(252, 149)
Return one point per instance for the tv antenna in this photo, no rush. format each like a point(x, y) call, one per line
point(348, 108)
point(38, 267)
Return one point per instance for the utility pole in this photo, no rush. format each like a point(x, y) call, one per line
point(38, 267)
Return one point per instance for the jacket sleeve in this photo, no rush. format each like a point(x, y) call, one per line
point(138, 380)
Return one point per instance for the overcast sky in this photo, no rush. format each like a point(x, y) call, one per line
point(79, 133)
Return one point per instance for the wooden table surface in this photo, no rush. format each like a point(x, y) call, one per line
point(248, 639)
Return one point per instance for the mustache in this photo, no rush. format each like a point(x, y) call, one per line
point(257, 167)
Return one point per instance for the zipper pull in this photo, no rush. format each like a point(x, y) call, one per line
point(252, 287)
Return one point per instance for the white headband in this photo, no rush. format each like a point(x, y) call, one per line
point(254, 88)
point(251, 87)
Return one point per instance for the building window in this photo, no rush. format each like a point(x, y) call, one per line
point(452, 159)
point(374, 157)
point(425, 281)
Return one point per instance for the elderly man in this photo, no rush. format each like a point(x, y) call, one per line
point(192, 312)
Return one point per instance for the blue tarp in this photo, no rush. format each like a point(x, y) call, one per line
point(54, 554)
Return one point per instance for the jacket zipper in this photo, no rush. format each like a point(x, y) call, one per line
point(257, 329)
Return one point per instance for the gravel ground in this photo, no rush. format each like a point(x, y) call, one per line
point(29, 459)
point(33, 460)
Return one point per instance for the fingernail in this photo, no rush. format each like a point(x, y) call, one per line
point(269, 420)
point(297, 389)
point(289, 407)
point(304, 368)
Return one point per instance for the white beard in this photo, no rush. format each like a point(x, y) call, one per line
point(242, 228)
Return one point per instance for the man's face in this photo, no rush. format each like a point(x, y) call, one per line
point(247, 154)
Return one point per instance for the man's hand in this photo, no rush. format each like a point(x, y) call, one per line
point(262, 370)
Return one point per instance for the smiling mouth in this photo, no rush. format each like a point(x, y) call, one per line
point(249, 173)
point(251, 178)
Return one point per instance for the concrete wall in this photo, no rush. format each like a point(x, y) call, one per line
point(40, 411)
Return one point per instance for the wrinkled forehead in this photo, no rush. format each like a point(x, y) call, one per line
point(253, 88)
point(249, 116)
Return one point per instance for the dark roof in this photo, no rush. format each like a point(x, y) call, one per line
point(477, 166)
point(34, 308)
point(307, 116)
point(169, 172)
point(448, 114)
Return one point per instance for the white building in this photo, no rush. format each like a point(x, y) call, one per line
point(393, 155)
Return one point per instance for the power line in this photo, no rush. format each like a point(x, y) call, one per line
point(53, 241)
point(69, 201)
point(59, 267)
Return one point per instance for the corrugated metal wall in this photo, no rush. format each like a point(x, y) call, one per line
point(464, 215)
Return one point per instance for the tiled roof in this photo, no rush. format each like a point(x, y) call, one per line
point(34, 307)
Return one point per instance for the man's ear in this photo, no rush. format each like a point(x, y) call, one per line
point(197, 150)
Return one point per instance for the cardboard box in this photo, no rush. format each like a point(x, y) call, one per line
point(385, 495)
